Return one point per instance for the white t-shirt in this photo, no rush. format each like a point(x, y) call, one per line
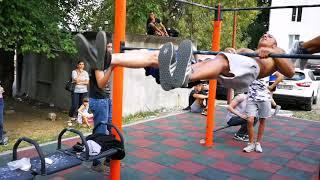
point(258, 91)
point(80, 88)
point(241, 107)
point(1, 91)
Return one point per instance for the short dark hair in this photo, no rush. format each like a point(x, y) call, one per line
point(85, 99)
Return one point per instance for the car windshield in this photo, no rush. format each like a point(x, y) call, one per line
point(297, 76)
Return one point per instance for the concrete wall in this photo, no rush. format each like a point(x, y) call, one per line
point(281, 25)
point(44, 80)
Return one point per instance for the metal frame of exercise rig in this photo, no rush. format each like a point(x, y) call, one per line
point(119, 36)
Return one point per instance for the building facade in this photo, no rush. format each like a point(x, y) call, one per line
point(288, 25)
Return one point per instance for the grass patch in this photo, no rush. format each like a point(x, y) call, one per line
point(140, 116)
point(30, 120)
point(310, 115)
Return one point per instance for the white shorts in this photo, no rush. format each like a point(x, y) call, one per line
point(87, 115)
point(260, 109)
point(245, 70)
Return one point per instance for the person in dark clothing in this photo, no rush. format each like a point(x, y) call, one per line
point(200, 95)
point(155, 27)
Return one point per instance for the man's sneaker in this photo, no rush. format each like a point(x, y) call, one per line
point(101, 168)
point(238, 138)
point(276, 110)
point(4, 140)
point(250, 147)
point(258, 147)
point(204, 112)
point(245, 138)
point(183, 70)
point(297, 49)
point(101, 43)
point(86, 50)
point(167, 65)
point(187, 108)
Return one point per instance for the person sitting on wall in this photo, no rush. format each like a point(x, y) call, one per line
point(155, 27)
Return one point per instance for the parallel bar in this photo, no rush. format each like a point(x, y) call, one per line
point(197, 4)
point(246, 8)
point(292, 56)
point(269, 7)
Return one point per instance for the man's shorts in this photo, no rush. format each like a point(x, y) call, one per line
point(244, 69)
point(196, 107)
point(261, 109)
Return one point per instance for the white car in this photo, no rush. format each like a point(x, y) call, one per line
point(301, 89)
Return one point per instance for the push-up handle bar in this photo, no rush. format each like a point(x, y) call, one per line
point(246, 8)
point(292, 56)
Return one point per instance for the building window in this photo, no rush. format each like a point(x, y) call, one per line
point(293, 38)
point(296, 14)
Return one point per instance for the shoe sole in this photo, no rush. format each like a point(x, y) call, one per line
point(84, 49)
point(101, 43)
point(184, 56)
point(165, 58)
point(248, 151)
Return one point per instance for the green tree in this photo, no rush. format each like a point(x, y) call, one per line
point(259, 26)
point(34, 27)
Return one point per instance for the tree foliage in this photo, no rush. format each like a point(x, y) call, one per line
point(45, 26)
point(191, 21)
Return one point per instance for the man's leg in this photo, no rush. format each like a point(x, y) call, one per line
point(1, 119)
point(98, 108)
point(260, 134)
point(251, 111)
point(312, 46)
point(196, 107)
point(136, 59)
point(251, 145)
point(261, 129)
point(209, 69)
point(251, 129)
point(244, 128)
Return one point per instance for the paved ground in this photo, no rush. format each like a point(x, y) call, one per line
point(168, 148)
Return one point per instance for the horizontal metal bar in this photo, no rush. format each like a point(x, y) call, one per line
point(197, 4)
point(268, 7)
point(247, 8)
point(292, 56)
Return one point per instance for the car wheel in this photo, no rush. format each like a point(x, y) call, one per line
point(308, 106)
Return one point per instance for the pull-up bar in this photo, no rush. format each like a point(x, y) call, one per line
point(292, 56)
point(246, 8)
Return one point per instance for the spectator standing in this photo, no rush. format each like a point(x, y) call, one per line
point(3, 138)
point(80, 78)
point(258, 105)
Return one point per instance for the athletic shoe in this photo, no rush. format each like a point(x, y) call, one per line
point(86, 50)
point(258, 147)
point(183, 69)
point(4, 141)
point(187, 108)
point(167, 64)
point(276, 110)
point(101, 168)
point(101, 42)
point(204, 112)
point(245, 138)
point(297, 49)
point(250, 147)
point(238, 138)
point(241, 138)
